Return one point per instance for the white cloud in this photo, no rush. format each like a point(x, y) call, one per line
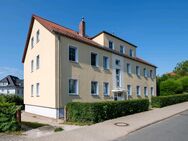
point(4, 71)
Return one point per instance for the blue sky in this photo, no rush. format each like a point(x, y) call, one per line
point(159, 28)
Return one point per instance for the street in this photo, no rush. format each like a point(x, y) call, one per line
point(172, 129)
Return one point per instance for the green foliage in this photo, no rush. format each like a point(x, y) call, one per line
point(182, 68)
point(11, 99)
point(184, 83)
point(100, 111)
point(170, 87)
point(162, 101)
point(8, 117)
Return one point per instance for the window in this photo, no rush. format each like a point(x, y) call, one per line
point(38, 89)
point(129, 91)
point(94, 59)
point(37, 36)
point(122, 49)
point(94, 88)
point(73, 54)
point(32, 42)
point(152, 91)
point(131, 53)
point(117, 77)
point(117, 62)
point(32, 65)
point(111, 45)
point(145, 91)
point(138, 70)
point(151, 74)
point(32, 90)
point(106, 88)
point(138, 91)
point(129, 68)
point(145, 72)
point(105, 62)
point(38, 62)
point(73, 87)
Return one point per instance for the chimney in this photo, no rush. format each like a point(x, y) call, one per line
point(82, 27)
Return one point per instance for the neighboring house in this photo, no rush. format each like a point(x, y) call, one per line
point(62, 65)
point(11, 85)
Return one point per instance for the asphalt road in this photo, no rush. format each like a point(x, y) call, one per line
point(171, 129)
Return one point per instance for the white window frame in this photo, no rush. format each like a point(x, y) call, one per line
point(37, 36)
point(129, 71)
point(138, 91)
point(119, 78)
point(106, 94)
point(146, 91)
point(138, 71)
point(108, 63)
point(109, 44)
point(95, 94)
point(76, 53)
point(122, 47)
point(32, 65)
point(119, 62)
point(37, 89)
point(97, 59)
point(37, 62)
point(129, 92)
point(77, 87)
point(152, 91)
point(145, 72)
point(32, 90)
point(32, 42)
point(151, 74)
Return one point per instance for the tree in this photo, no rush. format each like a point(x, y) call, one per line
point(170, 87)
point(181, 68)
point(184, 83)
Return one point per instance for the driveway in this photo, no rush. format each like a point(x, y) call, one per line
point(172, 129)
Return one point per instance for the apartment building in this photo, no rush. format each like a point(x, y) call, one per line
point(62, 65)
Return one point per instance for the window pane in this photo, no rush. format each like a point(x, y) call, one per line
point(72, 54)
point(93, 59)
point(94, 88)
point(72, 86)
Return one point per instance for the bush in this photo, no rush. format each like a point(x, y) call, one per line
point(8, 117)
point(184, 83)
point(100, 111)
point(162, 101)
point(170, 87)
point(11, 99)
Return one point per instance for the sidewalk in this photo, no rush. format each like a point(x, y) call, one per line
point(107, 131)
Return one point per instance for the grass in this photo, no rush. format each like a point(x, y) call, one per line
point(33, 124)
point(78, 123)
point(58, 129)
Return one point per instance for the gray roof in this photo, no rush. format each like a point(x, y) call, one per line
point(12, 81)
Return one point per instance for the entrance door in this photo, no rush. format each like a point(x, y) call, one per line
point(119, 96)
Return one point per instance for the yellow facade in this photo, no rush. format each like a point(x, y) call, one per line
point(55, 70)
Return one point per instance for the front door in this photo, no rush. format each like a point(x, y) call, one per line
point(119, 96)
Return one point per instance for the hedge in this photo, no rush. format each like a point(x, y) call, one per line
point(8, 117)
point(100, 111)
point(162, 101)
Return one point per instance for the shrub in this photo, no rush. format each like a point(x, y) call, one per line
point(162, 101)
point(11, 99)
point(8, 117)
point(100, 111)
point(184, 83)
point(170, 87)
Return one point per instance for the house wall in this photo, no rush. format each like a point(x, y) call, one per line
point(103, 39)
point(45, 75)
point(85, 73)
